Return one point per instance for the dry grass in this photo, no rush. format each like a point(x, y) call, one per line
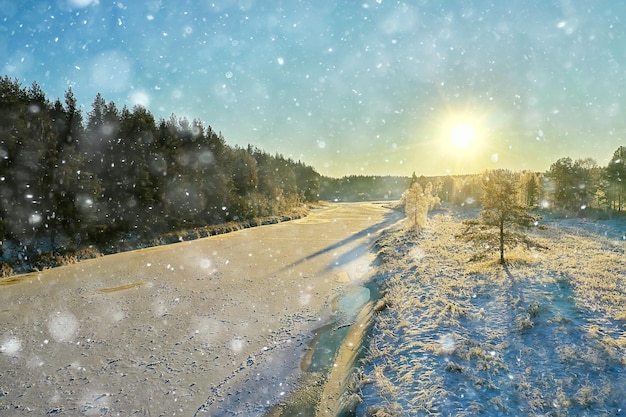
point(466, 338)
point(5, 270)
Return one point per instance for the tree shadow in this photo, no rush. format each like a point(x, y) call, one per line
point(507, 271)
point(389, 219)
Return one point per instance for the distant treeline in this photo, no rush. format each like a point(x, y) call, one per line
point(569, 187)
point(112, 172)
point(363, 188)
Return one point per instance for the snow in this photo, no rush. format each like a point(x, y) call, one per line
point(462, 337)
point(614, 229)
point(208, 325)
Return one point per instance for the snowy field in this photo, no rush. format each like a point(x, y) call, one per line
point(545, 336)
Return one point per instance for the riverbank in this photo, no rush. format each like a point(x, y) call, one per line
point(546, 335)
point(41, 255)
point(329, 382)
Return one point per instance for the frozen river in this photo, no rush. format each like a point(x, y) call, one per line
point(217, 325)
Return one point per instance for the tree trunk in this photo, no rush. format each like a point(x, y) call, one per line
point(502, 241)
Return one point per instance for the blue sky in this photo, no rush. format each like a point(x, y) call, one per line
point(368, 87)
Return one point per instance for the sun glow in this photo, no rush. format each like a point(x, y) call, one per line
point(464, 140)
point(462, 135)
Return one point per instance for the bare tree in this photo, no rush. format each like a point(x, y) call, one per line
point(502, 222)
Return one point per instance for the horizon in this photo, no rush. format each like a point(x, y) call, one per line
point(369, 89)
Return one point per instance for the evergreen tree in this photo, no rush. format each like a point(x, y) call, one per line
point(28, 127)
point(502, 221)
point(63, 166)
point(530, 189)
point(135, 185)
point(93, 145)
point(120, 171)
point(573, 183)
point(307, 182)
point(563, 183)
point(615, 174)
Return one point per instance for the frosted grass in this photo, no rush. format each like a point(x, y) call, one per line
point(543, 336)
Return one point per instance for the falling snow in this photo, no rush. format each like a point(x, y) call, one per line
point(375, 88)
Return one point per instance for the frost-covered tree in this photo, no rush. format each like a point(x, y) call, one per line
point(573, 183)
point(418, 201)
point(615, 175)
point(502, 222)
point(563, 183)
point(530, 190)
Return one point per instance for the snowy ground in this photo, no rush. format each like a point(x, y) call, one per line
point(545, 336)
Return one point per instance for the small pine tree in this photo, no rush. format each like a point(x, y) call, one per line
point(502, 220)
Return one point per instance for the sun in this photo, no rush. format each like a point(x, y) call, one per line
point(463, 138)
point(462, 135)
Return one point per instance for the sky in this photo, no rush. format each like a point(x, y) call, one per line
point(369, 87)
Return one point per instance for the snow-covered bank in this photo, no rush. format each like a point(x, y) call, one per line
point(544, 336)
point(41, 254)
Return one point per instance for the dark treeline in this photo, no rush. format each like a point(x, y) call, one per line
point(91, 178)
point(363, 188)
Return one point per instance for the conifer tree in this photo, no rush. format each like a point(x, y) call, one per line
point(615, 174)
point(502, 221)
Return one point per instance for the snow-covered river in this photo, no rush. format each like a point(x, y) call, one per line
point(203, 326)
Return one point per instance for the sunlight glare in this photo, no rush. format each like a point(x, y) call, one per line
point(462, 135)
